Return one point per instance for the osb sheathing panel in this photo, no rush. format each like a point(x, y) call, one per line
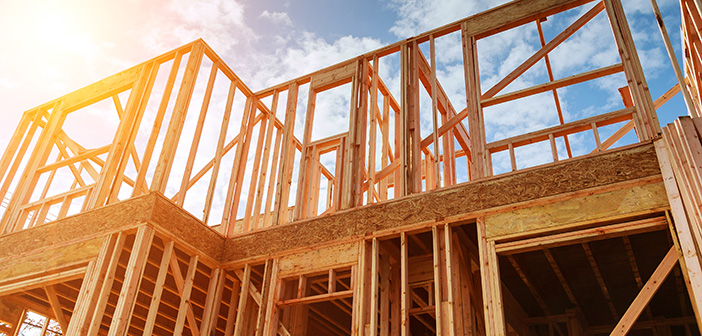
point(569, 176)
point(319, 260)
point(50, 259)
point(578, 210)
point(151, 208)
point(87, 225)
point(186, 228)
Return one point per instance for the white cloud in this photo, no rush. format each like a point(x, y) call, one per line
point(8, 83)
point(219, 22)
point(307, 53)
point(280, 18)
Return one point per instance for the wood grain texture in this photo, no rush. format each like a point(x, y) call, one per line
point(87, 225)
point(565, 177)
point(152, 208)
point(575, 211)
point(50, 260)
point(185, 228)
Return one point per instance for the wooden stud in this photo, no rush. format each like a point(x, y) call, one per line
point(219, 152)
point(196, 137)
point(214, 296)
point(373, 129)
point(282, 190)
point(264, 165)
point(175, 127)
point(551, 78)
point(158, 121)
point(434, 107)
point(105, 286)
point(254, 175)
point(245, 284)
point(476, 123)
point(158, 288)
point(183, 308)
point(405, 291)
point(132, 280)
point(233, 305)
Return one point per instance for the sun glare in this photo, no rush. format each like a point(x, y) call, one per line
point(59, 30)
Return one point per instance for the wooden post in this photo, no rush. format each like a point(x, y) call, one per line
point(355, 158)
point(158, 288)
point(439, 280)
point(270, 299)
point(480, 158)
point(405, 291)
point(490, 279)
point(214, 296)
point(132, 280)
point(410, 136)
point(633, 70)
point(282, 189)
point(243, 299)
point(373, 130)
point(306, 159)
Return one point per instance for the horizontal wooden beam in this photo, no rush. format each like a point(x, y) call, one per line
point(586, 235)
point(556, 84)
point(562, 130)
point(317, 298)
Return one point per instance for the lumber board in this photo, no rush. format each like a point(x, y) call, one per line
point(153, 208)
point(459, 201)
point(50, 259)
point(87, 225)
point(318, 260)
point(573, 212)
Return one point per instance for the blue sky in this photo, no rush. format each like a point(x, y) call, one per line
point(54, 47)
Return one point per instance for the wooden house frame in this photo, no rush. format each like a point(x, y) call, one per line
point(206, 215)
